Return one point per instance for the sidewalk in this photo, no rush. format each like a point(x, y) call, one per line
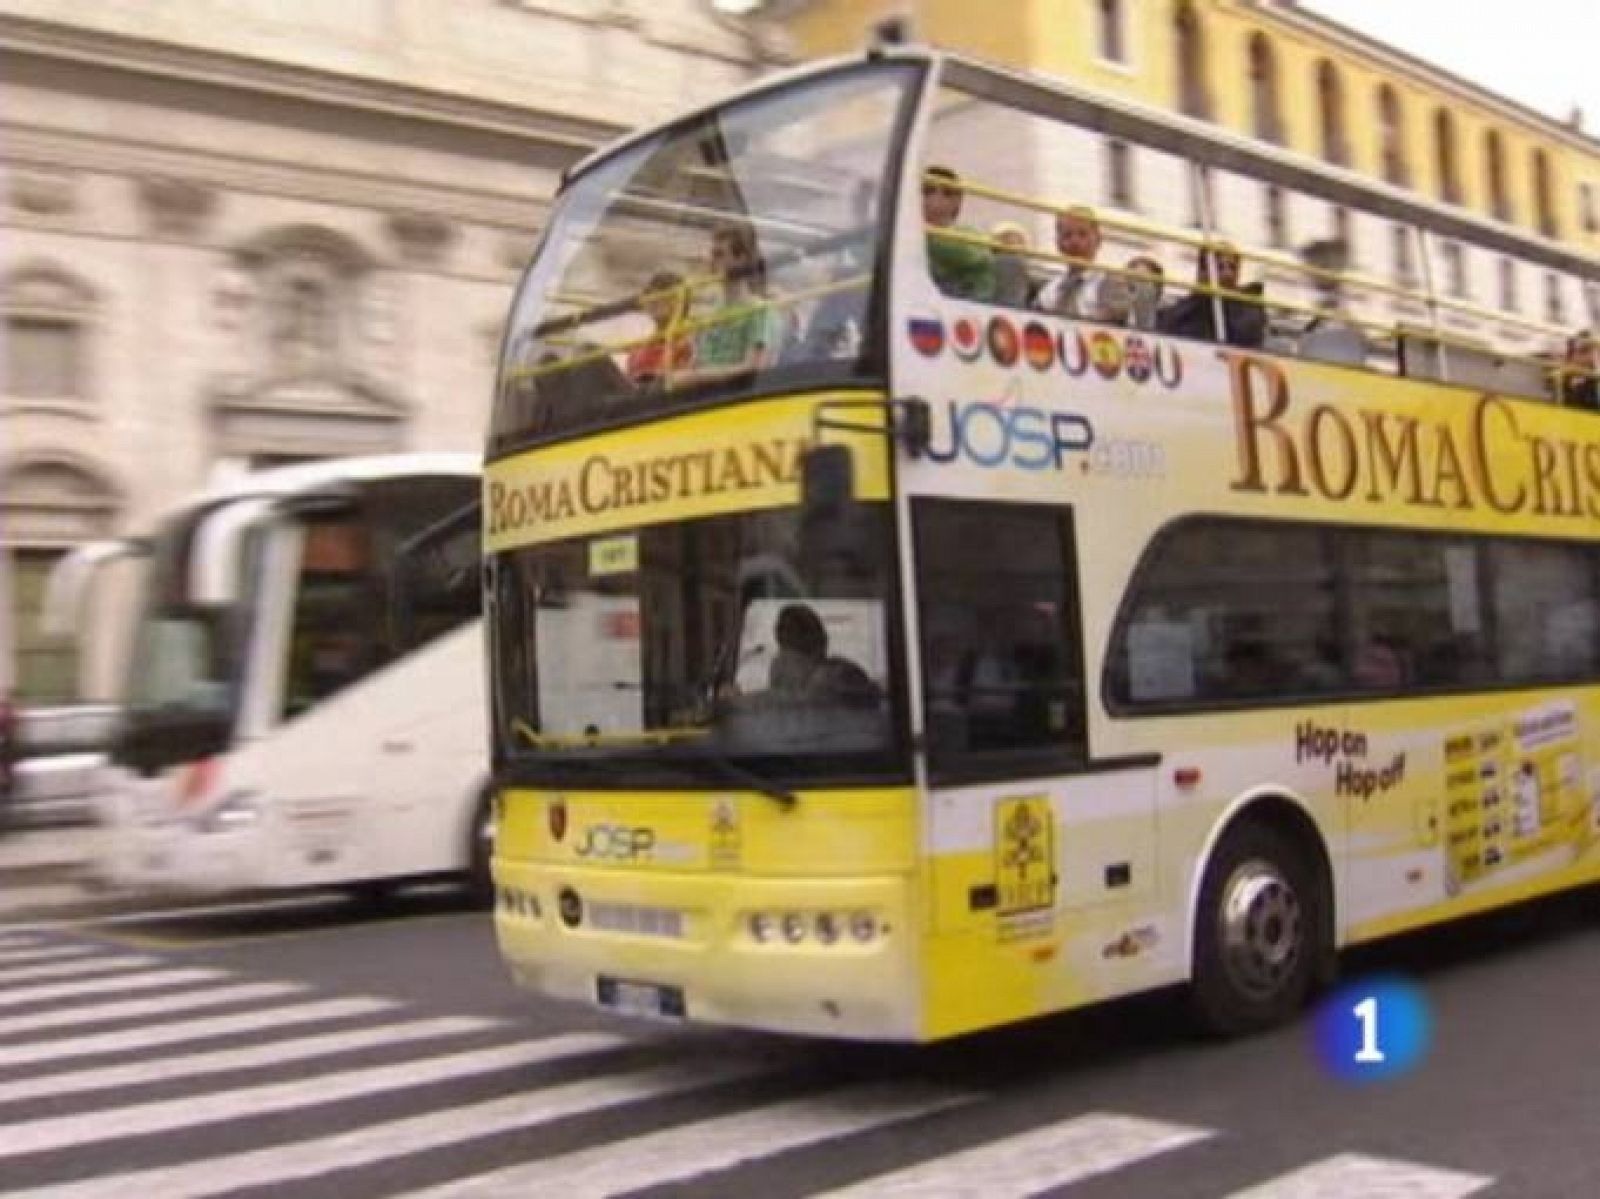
point(41, 871)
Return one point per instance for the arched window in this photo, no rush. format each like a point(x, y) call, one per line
point(1494, 164)
point(1194, 98)
point(1330, 105)
point(1392, 137)
point(1266, 123)
point(1444, 144)
point(1543, 197)
point(1113, 36)
point(48, 315)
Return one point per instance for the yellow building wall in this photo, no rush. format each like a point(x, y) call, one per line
point(1061, 38)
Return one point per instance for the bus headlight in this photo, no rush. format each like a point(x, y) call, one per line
point(794, 928)
point(762, 927)
point(863, 927)
point(827, 928)
point(238, 810)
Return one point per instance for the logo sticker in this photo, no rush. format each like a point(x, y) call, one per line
point(725, 849)
point(927, 335)
point(1138, 359)
point(1038, 346)
point(1106, 351)
point(1024, 852)
point(966, 339)
point(1004, 346)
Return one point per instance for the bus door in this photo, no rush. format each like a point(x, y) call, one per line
point(1022, 824)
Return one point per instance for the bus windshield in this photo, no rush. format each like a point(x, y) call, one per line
point(656, 650)
point(735, 250)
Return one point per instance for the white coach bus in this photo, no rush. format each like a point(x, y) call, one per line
point(305, 706)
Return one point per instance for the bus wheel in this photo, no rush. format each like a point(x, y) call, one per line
point(480, 882)
point(1257, 934)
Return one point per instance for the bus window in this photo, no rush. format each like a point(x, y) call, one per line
point(331, 639)
point(1546, 604)
point(1228, 611)
point(1000, 655)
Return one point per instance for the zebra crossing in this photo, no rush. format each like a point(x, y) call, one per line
point(123, 1074)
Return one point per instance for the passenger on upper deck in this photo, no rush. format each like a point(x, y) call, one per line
point(1195, 314)
point(1014, 281)
point(1578, 384)
point(1082, 291)
point(960, 267)
point(743, 333)
point(667, 352)
point(1145, 282)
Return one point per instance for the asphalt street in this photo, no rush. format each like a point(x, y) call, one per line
point(328, 1049)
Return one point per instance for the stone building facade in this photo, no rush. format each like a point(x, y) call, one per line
point(244, 232)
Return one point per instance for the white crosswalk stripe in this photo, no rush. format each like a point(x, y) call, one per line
point(35, 953)
point(64, 1132)
point(1028, 1163)
point(251, 1057)
point(680, 1154)
point(395, 1138)
point(134, 1009)
point(48, 970)
point(118, 982)
point(1352, 1174)
point(154, 1036)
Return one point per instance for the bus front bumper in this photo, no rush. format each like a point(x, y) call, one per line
point(815, 956)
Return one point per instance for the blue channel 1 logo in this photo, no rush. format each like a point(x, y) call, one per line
point(1373, 1030)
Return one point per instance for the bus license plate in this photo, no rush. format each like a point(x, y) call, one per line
point(640, 999)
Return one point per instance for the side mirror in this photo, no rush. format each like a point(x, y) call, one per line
point(827, 481)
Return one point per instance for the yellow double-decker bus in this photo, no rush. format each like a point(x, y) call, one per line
point(878, 652)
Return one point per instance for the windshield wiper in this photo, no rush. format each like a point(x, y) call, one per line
point(743, 776)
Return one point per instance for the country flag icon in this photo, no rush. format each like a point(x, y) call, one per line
point(966, 339)
point(1138, 359)
point(1038, 346)
point(927, 335)
point(1005, 347)
point(1106, 353)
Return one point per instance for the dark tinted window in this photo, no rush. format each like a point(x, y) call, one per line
point(1001, 667)
point(1229, 611)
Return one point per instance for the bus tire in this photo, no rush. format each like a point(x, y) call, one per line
point(480, 851)
point(1258, 933)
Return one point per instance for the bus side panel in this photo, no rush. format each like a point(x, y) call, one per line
point(1044, 896)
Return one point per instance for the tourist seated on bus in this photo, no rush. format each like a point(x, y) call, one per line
point(961, 268)
point(1143, 285)
point(1015, 283)
point(1578, 381)
point(742, 332)
point(668, 352)
point(1082, 291)
point(1195, 315)
point(803, 671)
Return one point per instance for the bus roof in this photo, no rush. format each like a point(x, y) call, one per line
point(308, 476)
point(1189, 138)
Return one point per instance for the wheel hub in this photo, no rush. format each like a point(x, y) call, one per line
point(1262, 929)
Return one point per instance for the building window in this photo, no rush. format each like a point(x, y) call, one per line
point(1277, 217)
point(1444, 141)
point(1330, 102)
point(1555, 311)
point(1405, 262)
point(1543, 198)
point(1391, 131)
point(1113, 35)
point(1508, 284)
point(1591, 296)
point(1267, 123)
point(46, 326)
point(1194, 98)
point(1344, 233)
point(46, 667)
point(1588, 211)
point(1454, 261)
point(1494, 158)
point(1119, 174)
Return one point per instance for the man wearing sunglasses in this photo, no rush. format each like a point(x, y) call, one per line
point(960, 267)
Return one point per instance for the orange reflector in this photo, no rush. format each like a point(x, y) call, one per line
point(1044, 953)
point(1186, 777)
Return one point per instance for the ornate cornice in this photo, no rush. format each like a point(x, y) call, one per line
point(575, 132)
point(177, 208)
point(423, 238)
